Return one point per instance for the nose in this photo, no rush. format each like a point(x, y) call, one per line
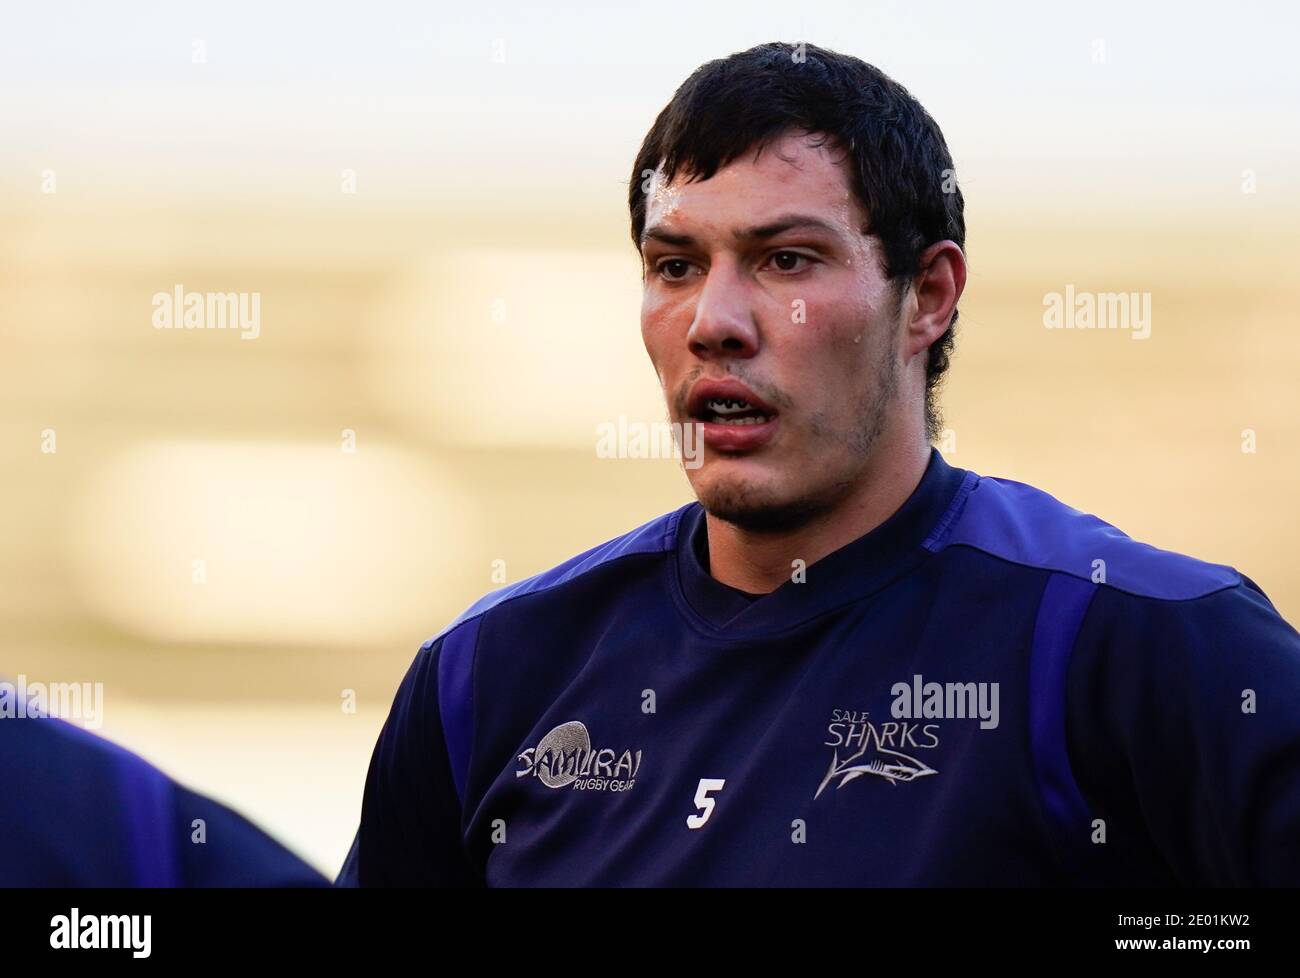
point(724, 325)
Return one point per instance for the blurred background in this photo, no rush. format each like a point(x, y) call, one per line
point(246, 539)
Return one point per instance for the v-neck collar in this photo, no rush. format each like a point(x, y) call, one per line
point(856, 569)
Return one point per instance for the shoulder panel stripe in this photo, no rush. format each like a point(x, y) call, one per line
point(1060, 616)
point(1027, 526)
point(456, 699)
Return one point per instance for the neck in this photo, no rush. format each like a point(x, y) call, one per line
point(763, 561)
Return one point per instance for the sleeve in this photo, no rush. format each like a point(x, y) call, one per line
point(1184, 728)
point(410, 832)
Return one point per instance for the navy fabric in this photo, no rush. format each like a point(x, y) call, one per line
point(625, 719)
point(456, 698)
point(1023, 524)
point(147, 800)
point(78, 810)
point(1060, 615)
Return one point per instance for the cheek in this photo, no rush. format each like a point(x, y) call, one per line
point(651, 323)
point(835, 303)
point(657, 335)
point(864, 334)
point(835, 341)
point(827, 363)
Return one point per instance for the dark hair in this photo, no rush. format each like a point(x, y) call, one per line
point(901, 164)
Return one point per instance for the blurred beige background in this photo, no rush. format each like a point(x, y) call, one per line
point(430, 205)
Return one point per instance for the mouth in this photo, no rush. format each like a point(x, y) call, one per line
point(734, 419)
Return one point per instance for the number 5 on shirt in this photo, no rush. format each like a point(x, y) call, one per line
point(703, 802)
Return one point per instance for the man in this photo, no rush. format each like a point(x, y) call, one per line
point(849, 663)
point(78, 810)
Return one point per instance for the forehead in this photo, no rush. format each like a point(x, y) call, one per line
point(793, 172)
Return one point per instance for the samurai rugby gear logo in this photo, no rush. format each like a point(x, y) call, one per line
point(863, 748)
point(565, 757)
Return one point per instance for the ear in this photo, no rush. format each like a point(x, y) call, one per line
point(937, 287)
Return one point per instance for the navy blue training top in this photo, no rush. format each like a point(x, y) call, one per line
point(990, 688)
point(77, 810)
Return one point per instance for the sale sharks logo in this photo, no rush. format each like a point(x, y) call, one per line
point(861, 747)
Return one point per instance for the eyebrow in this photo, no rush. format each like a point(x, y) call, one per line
point(758, 232)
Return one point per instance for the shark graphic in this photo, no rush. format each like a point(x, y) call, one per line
point(892, 765)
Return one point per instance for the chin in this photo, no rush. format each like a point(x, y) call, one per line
point(763, 508)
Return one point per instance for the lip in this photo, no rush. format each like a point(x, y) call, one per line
point(731, 438)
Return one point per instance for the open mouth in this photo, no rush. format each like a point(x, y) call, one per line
point(733, 419)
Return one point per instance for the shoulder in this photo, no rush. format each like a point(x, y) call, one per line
point(72, 754)
point(1107, 595)
point(1024, 525)
point(83, 811)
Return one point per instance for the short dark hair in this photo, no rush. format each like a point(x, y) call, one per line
point(902, 171)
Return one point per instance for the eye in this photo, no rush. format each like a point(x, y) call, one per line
point(673, 269)
point(788, 261)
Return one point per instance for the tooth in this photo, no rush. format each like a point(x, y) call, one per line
point(722, 419)
point(727, 405)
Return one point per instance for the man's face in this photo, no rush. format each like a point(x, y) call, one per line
point(760, 286)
